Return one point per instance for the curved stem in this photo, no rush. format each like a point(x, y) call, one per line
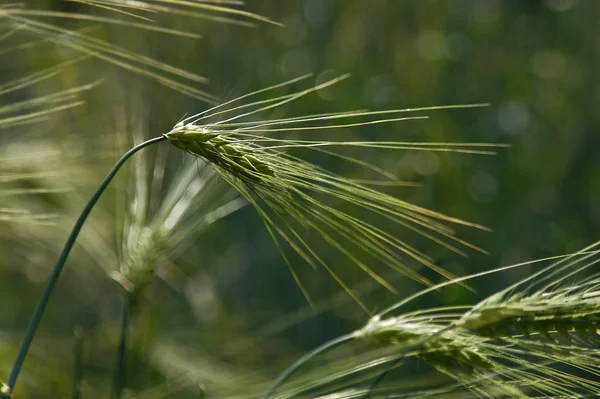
point(60, 263)
point(119, 372)
point(296, 365)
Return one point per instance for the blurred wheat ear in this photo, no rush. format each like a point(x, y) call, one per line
point(166, 213)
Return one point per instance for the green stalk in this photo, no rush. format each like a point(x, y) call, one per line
point(119, 372)
point(60, 263)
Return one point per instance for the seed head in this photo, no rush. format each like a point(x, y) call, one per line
point(291, 194)
point(236, 157)
point(539, 335)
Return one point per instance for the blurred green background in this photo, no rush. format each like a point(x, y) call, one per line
point(229, 315)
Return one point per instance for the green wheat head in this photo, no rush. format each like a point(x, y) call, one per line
point(535, 336)
point(291, 194)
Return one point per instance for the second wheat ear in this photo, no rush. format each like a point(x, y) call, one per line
point(537, 335)
point(237, 158)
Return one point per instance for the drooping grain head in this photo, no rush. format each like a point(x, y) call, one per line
point(236, 157)
point(294, 196)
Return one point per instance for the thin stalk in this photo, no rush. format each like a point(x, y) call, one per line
point(60, 263)
point(296, 365)
point(78, 364)
point(119, 373)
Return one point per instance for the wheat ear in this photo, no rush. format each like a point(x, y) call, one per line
point(556, 324)
point(290, 194)
point(518, 342)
